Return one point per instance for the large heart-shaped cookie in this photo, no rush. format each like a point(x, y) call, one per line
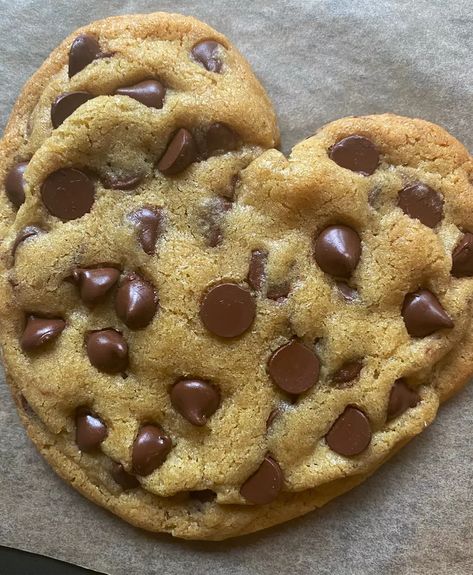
point(205, 337)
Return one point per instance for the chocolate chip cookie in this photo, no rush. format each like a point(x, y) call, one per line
point(205, 337)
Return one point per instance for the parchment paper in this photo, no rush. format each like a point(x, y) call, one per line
point(319, 61)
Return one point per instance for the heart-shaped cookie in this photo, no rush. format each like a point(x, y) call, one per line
point(205, 337)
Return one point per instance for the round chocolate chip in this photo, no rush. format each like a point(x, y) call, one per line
point(136, 302)
point(350, 434)
point(195, 400)
point(121, 182)
point(149, 92)
point(90, 431)
point(337, 250)
point(150, 449)
point(348, 372)
point(84, 50)
point(265, 484)
point(421, 202)
point(462, 257)
point(356, 153)
point(219, 138)
point(68, 194)
point(66, 104)
point(149, 224)
point(423, 314)
point(401, 398)
point(124, 479)
point(179, 154)
point(107, 351)
point(95, 283)
point(24, 234)
point(256, 271)
point(228, 310)
point(294, 367)
point(348, 293)
point(207, 53)
point(39, 331)
point(15, 184)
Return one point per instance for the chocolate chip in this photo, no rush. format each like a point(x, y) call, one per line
point(356, 153)
point(265, 484)
point(272, 416)
point(124, 479)
point(256, 273)
point(401, 398)
point(136, 302)
point(228, 191)
point(207, 54)
point(195, 400)
point(107, 350)
point(462, 257)
point(423, 314)
point(90, 431)
point(68, 194)
point(95, 283)
point(228, 310)
point(337, 250)
point(149, 224)
point(348, 293)
point(39, 331)
point(350, 434)
point(66, 104)
point(121, 182)
point(348, 372)
point(217, 208)
point(219, 138)
point(83, 51)
point(203, 495)
point(179, 154)
point(421, 202)
point(15, 184)
point(24, 234)
point(278, 292)
point(294, 367)
point(150, 449)
point(149, 92)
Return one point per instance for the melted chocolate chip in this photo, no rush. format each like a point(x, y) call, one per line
point(149, 224)
point(265, 484)
point(348, 293)
point(207, 53)
point(124, 479)
point(337, 250)
point(90, 431)
point(136, 302)
point(256, 272)
point(348, 372)
point(228, 310)
point(219, 138)
point(84, 50)
point(213, 220)
point(121, 182)
point(350, 434)
point(149, 92)
point(179, 154)
point(462, 257)
point(294, 368)
point(203, 495)
point(421, 202)
point(150, 449)
point(401, 398)
point(195, 400)
point(278, 292)
point(68, 194)
point(356, 153)
point(423, 314)
point(24, 234)
point(95, 283)
point(39, 331)
point(66, 104)
point(15, 184)
point(107, 350)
